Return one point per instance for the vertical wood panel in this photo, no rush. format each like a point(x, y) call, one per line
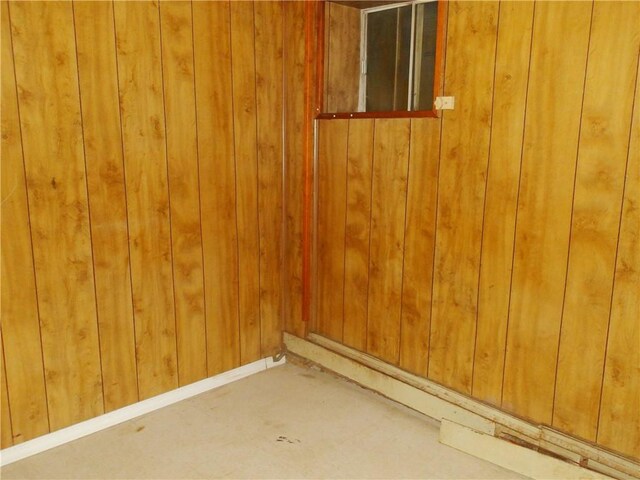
point(357, 228)
point(182, 157)
point(6, 437)
point(389, 190)
point(20, 324)
point(471, 42)
point(143, 126)
point(619, 420)
point(343, 58)
point(294, 112)
point(507, 129)
point(603, 145)
point(244, 127)
point(544, 206)
point(419, 244)
point(47, 77)
point(217, 182)
point(269, 101)
point(332, 182)
point(95, 39)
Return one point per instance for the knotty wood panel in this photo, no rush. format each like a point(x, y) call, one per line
point(217, 181)
point(182, 158)
point(463, 167)
point(357, 229)
point(544, 206)
point(510, 90)
point(342, 58)
point(23, 371)
point(332, 198)
point(293, 188)
point(388, 208)
point(539, 198)
point(244, 129)
point(619, 419)
point(50, 120)
point(419, 245)
point(144, 140)
point(269, 102)
point(95, 40)
point(131, 179)
point(603, 146)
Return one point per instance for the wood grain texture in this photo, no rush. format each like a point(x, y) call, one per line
point(182, 158)
point(269, 102)
point(244, 128)
point(293, 120)
point(127, 107)
point(332, 199)
point(23, 371)
point(342, 58)
point(463, 168)
point(144, 140)
point(510, 90)
point(95, 39)
point(6, 432)
point(544, 206)
point(217, 182)
point(388, 208)
point(420, 231)
point(602, 159)
point(357, 229)
point(619, 418)
point(47, 78)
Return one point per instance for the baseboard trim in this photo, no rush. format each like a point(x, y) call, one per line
point(93, 425)
point(510, 456)
point(441, 403)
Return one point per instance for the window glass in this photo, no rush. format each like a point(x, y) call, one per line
point(387, 59)
point(379, 56)
point(425, 55)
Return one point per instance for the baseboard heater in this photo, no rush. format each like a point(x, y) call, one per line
point(469, 425)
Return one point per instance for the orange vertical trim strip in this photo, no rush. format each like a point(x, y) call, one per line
point(440, 40)
point(320, 56)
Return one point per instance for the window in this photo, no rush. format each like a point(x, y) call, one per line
point(380, 59)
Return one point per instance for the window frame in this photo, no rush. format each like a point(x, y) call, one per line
point(439, 60)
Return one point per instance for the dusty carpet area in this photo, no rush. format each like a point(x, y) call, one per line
point(286, 422)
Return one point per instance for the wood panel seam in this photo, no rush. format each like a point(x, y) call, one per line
point(168, 159)
point(346, 210)
point(195, 97)
point(573, 198)
point(373, 162)
point(257, 117)
point(486, 185)
point(235, 176)
point(613, 283)
point(33, 260)
point(404, 241)
point(126, 199)
point(86, 186)
point(515, 225)
point(435, 216)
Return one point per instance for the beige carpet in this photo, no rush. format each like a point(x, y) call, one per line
point(287, 422)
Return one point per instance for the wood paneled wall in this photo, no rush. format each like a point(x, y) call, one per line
point(495, 249)
point(141, 201)
point(341, 57)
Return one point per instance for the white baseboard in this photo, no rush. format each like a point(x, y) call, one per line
point(93, 425)
point(444, 404)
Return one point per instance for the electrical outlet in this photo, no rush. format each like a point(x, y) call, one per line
point(444, 103)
